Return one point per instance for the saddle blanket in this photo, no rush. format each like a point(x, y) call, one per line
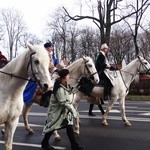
point(29, 92)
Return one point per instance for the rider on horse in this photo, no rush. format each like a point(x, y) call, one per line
point(31, 87)
point(104, 70)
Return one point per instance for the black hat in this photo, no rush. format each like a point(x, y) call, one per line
point(49, 44)
point(63, 72)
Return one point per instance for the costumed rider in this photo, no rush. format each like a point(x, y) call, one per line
point(55, 66)
point(104, 70)
point(32, 87)
point(106, 76)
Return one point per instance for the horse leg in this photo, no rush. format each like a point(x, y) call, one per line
point(109, 107)
point(123, 114)
point(25, 113)
point(10, 128)
point(56, 136)
point(76, 125)
point(76, 121)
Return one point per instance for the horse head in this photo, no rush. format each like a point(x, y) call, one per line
point(38, 66)
point(90, 70)
point(144, 66)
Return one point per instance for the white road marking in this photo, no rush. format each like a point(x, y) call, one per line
point(117, 118)
point(137, 119)
point(32, 145)
point(145, 114)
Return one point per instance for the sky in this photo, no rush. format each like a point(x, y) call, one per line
point(36, 12)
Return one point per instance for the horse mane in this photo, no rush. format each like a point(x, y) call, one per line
point(77, 63)
point(73, 66)
point(130, 64)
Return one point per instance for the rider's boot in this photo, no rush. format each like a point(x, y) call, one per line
point(101, 100)
point(101, 109)
point(90, 110)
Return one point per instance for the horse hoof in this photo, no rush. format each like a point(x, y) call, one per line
point(30, 131)
point(105, 124)
point(58, 138)
point(128, 124)
point(76, 134)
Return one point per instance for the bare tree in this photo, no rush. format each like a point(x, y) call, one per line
point(139, 8)
point(1, 33)
point(72, 41)
point(121, 46)
point(107, 16)
point(14, 27)
point(29, 38)
point(59, 26)
point(88, 43)
point(144, 41)
point(63, 34)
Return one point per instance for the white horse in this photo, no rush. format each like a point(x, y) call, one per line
point(123, 77)
point(33, 63)
point(81, 67)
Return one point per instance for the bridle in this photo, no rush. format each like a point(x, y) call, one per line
point(91, 74)
point(29, 63)
point(142, 64)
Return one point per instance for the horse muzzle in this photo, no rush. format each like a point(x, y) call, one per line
point(45, 87)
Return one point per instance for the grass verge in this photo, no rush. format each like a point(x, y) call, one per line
point(138, 97)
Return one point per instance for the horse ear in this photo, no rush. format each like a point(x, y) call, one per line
point(84, 58)
point(30, 46)
point(138, 56)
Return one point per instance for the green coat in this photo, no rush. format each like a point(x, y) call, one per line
point(60, 111)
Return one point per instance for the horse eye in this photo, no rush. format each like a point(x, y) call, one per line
point(90, 65)
point(145, 63)
point(36, 62)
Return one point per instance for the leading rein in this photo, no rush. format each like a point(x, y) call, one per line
point(127, 88)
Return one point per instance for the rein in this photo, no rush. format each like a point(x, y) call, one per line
point(143, 65)
point(12, 75)
point(127, 89)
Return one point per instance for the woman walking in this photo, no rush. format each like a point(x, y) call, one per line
point(60, 113)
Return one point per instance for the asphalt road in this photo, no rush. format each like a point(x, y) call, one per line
point(93, 135)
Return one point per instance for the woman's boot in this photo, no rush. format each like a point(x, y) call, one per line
point(45, 142)
point(70, 134)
